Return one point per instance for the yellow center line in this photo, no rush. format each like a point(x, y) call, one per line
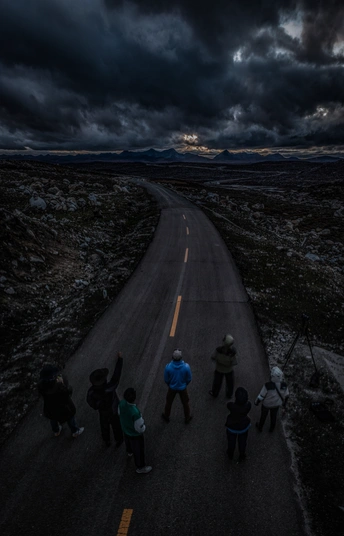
point(125, 522)
point(175, 317)
point(187, 230)
point(186, 255)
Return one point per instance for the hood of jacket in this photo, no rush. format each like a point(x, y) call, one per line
point(276, 375)
point(241, 396)
point(177, 363)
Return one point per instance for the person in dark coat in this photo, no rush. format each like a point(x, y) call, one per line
point(225, 357)
point(102, 396)
point(58, 404)
point(238, 423)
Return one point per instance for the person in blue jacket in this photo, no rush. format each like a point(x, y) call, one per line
point(177, 375)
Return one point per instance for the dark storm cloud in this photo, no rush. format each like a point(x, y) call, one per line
point(231, 22)
point(107, 75)
point(323, 25)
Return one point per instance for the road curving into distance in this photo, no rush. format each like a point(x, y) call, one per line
point(185, 293)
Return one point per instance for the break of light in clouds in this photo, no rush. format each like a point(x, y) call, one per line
point(107, 75)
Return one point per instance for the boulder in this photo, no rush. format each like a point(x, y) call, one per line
point(10, 290)
point(37, 202)
point(312, 257)
point(257, 215)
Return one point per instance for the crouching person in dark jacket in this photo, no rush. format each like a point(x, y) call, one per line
point(58, 404)
point(102, 396)
point(238, 423)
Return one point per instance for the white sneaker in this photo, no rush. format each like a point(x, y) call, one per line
point(58, 433)
point(78, 432)
point(145, 469)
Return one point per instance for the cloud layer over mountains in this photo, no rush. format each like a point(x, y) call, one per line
point(116, 74)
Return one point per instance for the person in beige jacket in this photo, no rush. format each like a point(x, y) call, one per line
point(225, 358)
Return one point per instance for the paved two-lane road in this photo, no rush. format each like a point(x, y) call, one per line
point(59, 486)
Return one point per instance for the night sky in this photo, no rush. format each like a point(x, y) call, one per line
point(108, 75)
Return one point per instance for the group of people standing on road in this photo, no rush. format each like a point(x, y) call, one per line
point(273, 395)
point(126, 420)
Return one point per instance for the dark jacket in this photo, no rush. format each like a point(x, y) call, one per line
point(238, 411)
point(104, 397)
point(56, 394)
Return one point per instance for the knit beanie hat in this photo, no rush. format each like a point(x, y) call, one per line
point(177, 354)
point(228, 340)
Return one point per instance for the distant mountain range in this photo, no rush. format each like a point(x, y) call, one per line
point(168, 156)
point(245, 157)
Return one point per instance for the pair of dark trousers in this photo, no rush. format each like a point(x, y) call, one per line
point(242, 441)
point(217, 382)
point(136, 445)
point(184, 397)
point(106, 420)
point(273, 417)
point(71, 423)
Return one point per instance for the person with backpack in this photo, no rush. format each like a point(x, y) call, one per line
point(238, 423)
point(58, 404)
point(102, 397)
point(273, 395)
point(133, 426)
point(225, 358)
point(177, 376)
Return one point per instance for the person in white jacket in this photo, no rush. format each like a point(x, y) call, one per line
point(273, 395)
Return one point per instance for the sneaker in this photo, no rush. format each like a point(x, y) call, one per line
point(144, 470)
point(58, 433)
point(166, 419)
point(78, 432)
point(188, 419)
point(130, 454)
point(258, 428)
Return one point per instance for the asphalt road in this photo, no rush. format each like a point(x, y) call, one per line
point(64, 486)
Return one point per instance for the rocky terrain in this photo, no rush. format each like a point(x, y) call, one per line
point(71, 237)
point(69, 241)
